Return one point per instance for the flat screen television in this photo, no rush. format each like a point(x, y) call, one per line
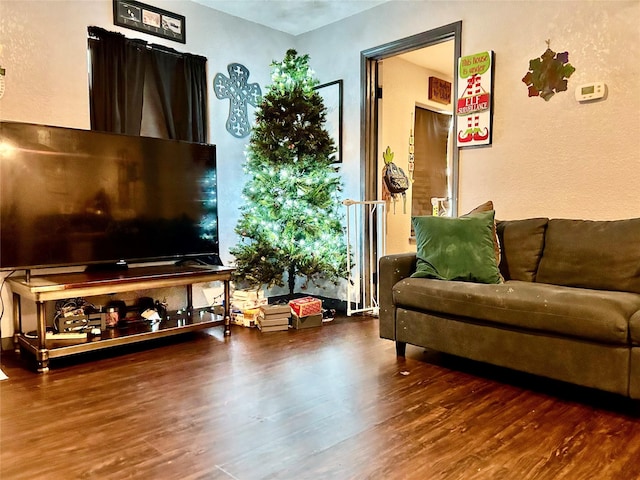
point(72, 197)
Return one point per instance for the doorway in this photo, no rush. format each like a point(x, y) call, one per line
point(373, 62)
point(370, 77)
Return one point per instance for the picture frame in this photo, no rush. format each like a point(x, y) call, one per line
point(439, 90)
point(331, 94)
point(147, 19)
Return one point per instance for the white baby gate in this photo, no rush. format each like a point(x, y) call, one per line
point(366, 244)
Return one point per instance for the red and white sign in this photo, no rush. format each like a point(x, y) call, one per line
point(474, 101)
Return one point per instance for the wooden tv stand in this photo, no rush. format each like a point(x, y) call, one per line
point(41, 288)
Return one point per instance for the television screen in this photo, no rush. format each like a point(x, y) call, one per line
point(81, 197)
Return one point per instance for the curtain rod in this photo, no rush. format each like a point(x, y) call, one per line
point(93, 35)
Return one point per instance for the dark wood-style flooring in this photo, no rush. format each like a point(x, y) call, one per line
point(323, 403)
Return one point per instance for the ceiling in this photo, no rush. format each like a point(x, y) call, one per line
point(438, 57)
point(292, 16)
point(296, 17)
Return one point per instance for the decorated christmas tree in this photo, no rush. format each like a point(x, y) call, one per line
point(291, 221)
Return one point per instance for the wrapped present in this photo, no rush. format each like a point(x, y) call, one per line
point(306, 306)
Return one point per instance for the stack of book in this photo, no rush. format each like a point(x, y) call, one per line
point(274, 318)
point(245, 306)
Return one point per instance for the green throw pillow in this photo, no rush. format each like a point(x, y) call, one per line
point(456, 248)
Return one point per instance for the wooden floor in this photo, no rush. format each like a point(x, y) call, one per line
point(323, 403)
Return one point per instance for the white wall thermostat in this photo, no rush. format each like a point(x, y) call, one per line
point(590, 91)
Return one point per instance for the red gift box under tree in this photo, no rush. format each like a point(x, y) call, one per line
point(306, 306)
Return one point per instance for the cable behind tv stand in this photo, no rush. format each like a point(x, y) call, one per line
point(41, 288)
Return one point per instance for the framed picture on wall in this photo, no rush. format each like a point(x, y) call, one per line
point(331, 94)
point(148, 19)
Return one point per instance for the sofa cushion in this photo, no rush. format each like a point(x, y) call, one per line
point(521, 243)
point(456, 248)
point(603, 255)
point(576, 312)
point(634, 327)
point(488, 207)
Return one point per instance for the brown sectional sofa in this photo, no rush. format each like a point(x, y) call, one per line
point(569, 308)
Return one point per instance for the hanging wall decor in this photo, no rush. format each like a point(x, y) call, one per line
point(394, 181)
point(439, 90)
point(548, 74)
point(475, 99)
point(412, 157)
point(148, 19)
point(240, 93)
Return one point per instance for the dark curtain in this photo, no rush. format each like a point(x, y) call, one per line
point(117, 81)
point(430, 160)
point(182, 86)
point(118, 67)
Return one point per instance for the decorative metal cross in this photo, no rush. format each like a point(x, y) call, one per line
point(240, 93)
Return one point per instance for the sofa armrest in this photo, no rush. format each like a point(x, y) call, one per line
point(393, 268)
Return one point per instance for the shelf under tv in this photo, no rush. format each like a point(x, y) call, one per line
point(43, 288)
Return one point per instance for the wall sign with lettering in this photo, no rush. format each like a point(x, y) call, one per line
point(474, 106)
point(439, 90)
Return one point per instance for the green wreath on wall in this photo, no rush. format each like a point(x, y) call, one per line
point(548, 74)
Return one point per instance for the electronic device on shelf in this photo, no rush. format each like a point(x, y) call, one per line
point(82, 323)
point(82, 197)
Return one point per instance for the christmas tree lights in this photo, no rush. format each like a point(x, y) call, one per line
point(290, 222)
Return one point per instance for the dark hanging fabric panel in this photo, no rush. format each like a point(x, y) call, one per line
point(117, 81)
point(182, 87)
point(430, 166)
point(196, 79)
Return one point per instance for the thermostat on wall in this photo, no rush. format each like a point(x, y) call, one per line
point(590, 91)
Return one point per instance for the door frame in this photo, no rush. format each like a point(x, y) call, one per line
point(369, 103)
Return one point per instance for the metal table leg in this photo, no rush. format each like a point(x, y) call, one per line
point(227, 309)
point(42, 355)
point(17, 322)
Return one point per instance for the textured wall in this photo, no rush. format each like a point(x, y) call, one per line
point(557, 158)
point(561, 158)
